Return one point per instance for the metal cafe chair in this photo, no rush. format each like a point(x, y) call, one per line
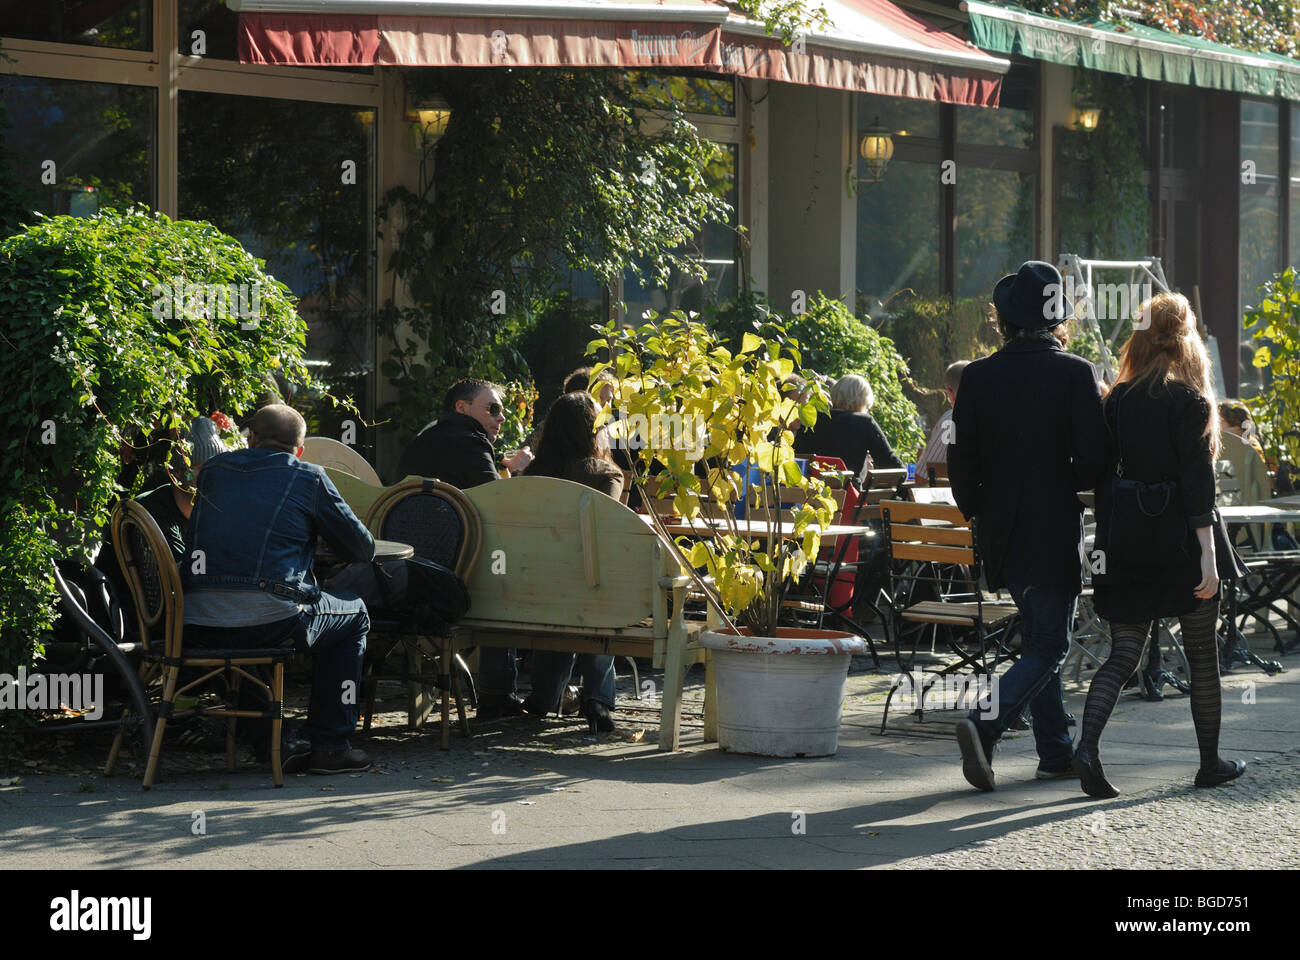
point(934, 544)
point(155, 585)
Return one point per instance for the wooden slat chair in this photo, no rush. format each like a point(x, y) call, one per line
point(938, 475)
point(442, 525)
point(936, 544)
point(356, 493)
point(155, 585)
point(570, 569)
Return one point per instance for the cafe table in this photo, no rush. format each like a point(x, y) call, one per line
point(1257, 513)
point(385, 550)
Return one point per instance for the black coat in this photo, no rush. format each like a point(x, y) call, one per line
point(1028, 436)
point(1163, 439)
point(455, 450)
point(849, 436)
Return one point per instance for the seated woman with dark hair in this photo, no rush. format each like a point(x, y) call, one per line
point(568, 450)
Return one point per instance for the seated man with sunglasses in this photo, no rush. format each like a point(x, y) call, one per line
point(458, 450)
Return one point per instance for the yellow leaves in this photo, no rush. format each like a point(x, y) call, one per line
point(700, 554)
point(1263, 356)
point(749, 343)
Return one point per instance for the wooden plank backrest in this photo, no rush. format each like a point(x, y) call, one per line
point(556, 552)
point(911, 539)
point(340, 457)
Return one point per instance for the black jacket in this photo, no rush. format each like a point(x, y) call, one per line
point(455, 450)
point(1028, 436)
point(849, 436)
point(1163, 438)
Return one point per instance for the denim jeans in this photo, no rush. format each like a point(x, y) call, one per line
point(333, 630)
point(1047, 614)
point(551, 670)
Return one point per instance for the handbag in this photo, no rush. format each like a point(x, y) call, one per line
point(1147, 525)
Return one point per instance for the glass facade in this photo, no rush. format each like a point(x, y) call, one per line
point(1260, 245)
point(76, 147)
point(971, 167)
point(124, 24)
point(293, 181)
point(714, 249)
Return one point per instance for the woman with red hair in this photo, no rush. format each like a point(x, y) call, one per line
point(1161, 546)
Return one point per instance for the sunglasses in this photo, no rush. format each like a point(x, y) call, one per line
point(494, 409)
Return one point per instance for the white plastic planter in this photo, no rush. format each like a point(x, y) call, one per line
point(781, 696)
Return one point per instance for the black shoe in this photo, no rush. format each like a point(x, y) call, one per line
point(339, 761)
point(976, 755)
point(598, 718)
point(1063, 770)
point(1092, 777)
point(295, 756)
point(1228, 770)
point(290, 745)
point(496, 706)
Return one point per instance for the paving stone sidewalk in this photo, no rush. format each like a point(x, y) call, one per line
point(524, 794)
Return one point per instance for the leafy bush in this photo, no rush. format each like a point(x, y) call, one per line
point(932, 332)
point(834, 342)
point(97, 362)
point(1275, 326)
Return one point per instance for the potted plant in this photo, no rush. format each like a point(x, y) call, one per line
point(710, 428)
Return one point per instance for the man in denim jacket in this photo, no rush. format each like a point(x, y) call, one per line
point(248, 580)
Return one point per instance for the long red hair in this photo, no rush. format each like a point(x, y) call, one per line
point(1168, 348)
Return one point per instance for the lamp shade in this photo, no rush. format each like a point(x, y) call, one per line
point(876, 149)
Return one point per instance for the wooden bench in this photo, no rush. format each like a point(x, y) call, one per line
point(566, 568)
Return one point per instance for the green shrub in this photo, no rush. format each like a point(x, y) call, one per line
point(932, 332)
point(93, 367)
point(1274, 327)
point(833, 342)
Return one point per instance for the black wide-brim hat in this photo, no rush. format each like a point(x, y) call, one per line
point(1033, 297)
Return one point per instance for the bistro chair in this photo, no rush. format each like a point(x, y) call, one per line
point(931, 545)
point(443, 526)
point(155, 584)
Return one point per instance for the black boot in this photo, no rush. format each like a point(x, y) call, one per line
point(598, 718)
point(1092, 777)
point(1228, 770)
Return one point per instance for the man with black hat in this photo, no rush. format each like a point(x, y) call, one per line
point(1029, 435)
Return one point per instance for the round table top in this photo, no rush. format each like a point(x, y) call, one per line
point(393, 550)
point(384, 550)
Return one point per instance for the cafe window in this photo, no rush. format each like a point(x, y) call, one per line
point(1260, 219)
point(124, 24)
point(974, 167)
point(76, 147)
point(293, 181)
point(714, 249)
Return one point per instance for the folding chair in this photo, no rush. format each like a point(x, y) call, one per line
point(155, 584)
point(442, 525)
point(937, 545)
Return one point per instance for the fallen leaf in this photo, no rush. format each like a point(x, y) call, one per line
point(441, 779)
point(528, 803)
point(637, 737)
point(10, 781)
point(554, 789)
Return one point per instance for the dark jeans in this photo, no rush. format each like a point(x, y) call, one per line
point(1047, 614)
point(551, 671)
point(333, 630)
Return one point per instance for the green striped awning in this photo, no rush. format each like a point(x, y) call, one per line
point(1132, 49)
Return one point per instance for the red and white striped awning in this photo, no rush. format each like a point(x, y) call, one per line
point(872, 46)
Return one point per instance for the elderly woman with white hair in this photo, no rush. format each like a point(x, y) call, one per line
point(849, 432)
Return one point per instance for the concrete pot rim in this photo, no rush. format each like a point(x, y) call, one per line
point(789, 641)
